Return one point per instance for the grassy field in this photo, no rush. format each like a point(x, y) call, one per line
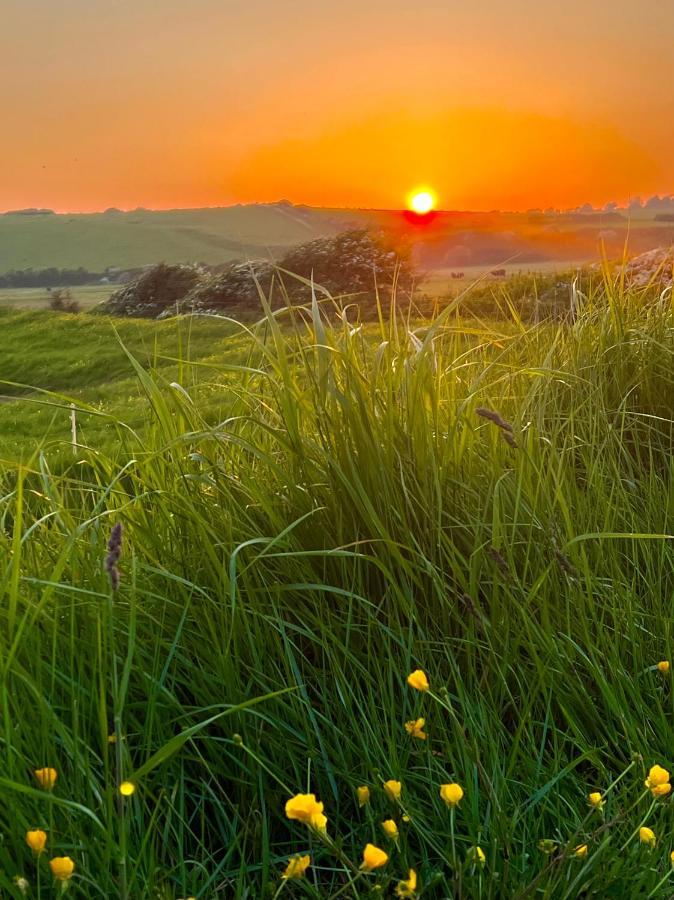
point(88, 296)
point(127, 239)
point(309, 514)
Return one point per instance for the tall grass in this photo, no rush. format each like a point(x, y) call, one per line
point(349, 519)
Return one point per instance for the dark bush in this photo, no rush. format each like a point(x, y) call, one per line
point(157, 291)
point(61, 300)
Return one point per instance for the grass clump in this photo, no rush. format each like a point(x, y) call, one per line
point(400, 603)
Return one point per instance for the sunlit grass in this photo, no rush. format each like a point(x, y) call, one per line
point(338, 519)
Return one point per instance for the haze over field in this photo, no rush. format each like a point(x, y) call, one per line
point(495, 104)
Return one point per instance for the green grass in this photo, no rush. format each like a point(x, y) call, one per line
point(309, 514)
point(98, 240)
point(87, 296)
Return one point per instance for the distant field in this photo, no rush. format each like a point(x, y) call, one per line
point(87, 296)
point(132, 239)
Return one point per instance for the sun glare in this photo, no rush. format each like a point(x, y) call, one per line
point(421, 202)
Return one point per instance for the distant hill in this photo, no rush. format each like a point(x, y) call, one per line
point(119, 240)
point(129, 239)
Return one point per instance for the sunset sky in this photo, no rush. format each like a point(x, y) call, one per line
point(182, 103)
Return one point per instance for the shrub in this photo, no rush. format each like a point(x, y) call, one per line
point(153, 293)
point(61, 300)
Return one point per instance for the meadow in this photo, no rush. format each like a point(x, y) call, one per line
point(421, 570)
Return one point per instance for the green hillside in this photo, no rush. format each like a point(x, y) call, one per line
point(128, 239)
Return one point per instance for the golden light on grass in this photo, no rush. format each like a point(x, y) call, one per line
point(421, 201)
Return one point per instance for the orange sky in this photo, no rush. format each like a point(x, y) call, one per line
point(493, 103)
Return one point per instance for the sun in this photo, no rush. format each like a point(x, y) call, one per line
point(421, 202)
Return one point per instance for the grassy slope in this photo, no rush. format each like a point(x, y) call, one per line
point(97, 241)
point(348, 519)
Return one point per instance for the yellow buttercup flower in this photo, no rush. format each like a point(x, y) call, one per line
point(581, 851)
point(476, 856)
point(373, 858)
point(390, 829)
point(297, 866)
point(418, 680)
point(62, 868)
point(407, 888)
point(46, 778)
point(596, 800)
point(452, 794)
point(663, 666)
point(36, 840)
point(661, 790)
point(305, 808)
point(127, 788)
point(415, 729)
point(363, 793)
point(646, 836)
point(658, 781)
point(393, 789)
point(671, 857)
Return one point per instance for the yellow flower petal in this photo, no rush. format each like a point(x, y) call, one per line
point(407, 888)
point(390, 829)
point(363, 793)
point(646, 836)
point(451, 793)
point(62, 867)
point(36, 840)
point(418, 680)
point(46, 778)
point(297, 866)
point(373, 858)
point(393, 789)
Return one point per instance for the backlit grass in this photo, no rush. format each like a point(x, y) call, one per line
point(307, 520)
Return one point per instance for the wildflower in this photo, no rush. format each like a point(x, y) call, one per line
point(373, 858)
point(452, 794)
point(305, 808)
point(663, 666)
point(363, 793)
point(581, 851)
point(407, 887)
point(62, 868)
point(406, 818)
point(418, 680)
point(36, 840)
point(476, 856)
point(297, 866)
point(546, 846)
point(390, 829)
point(596, 800)
point(661, 790)
point(646, 836)
point(22, 884)
point(393, 789)
point(46, 778)
point(658, 781)
point(127, 788)
point(114, 552)
point(671, 857)
point(112, 738)
point(415, 729)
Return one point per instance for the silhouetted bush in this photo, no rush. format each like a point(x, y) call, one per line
point(61, 300)
point(157, 291)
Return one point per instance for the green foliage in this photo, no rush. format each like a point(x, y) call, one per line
point(337, 517)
